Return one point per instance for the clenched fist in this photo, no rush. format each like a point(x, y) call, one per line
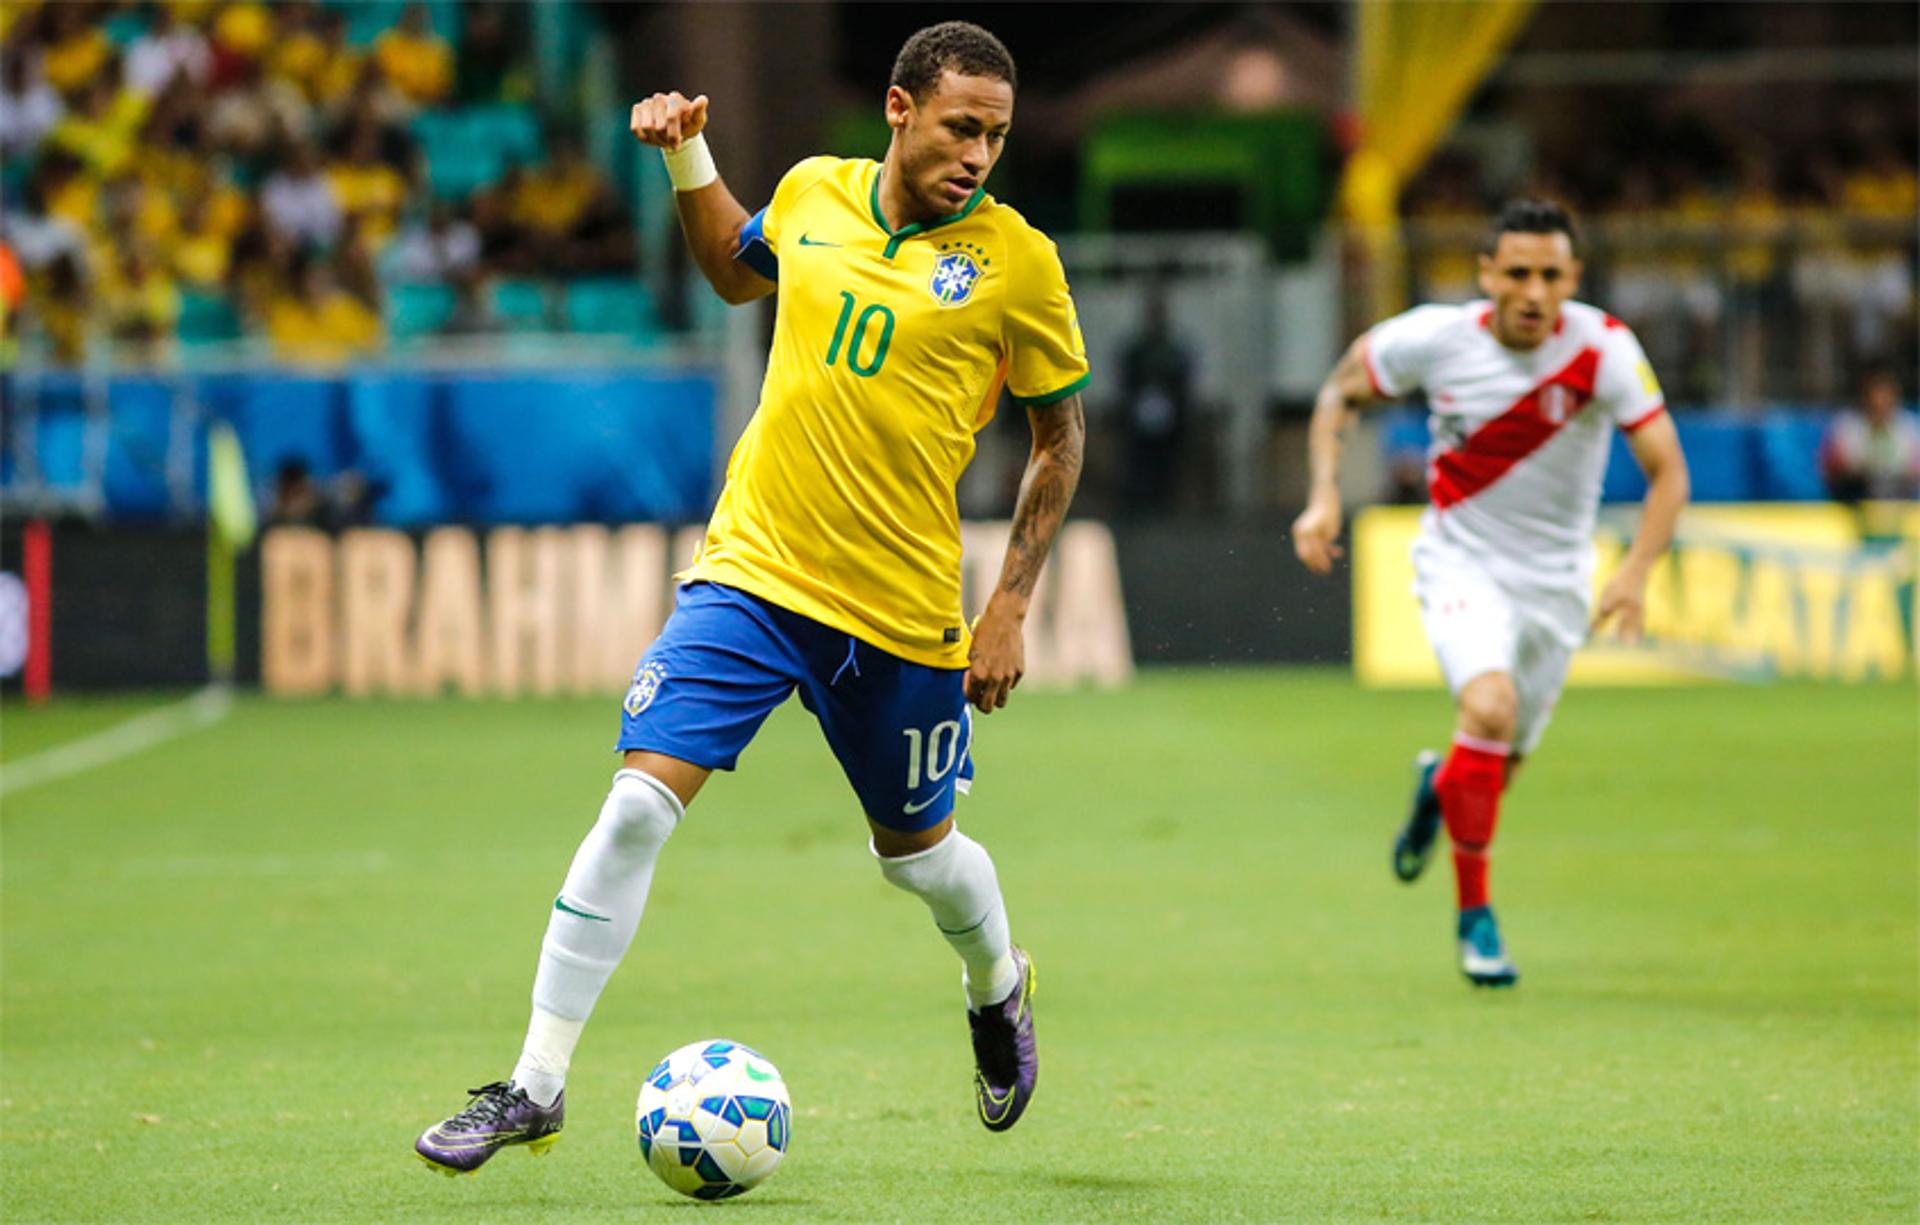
point(665, 120)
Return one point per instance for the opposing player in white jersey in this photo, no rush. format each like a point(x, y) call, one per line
point(1525, 389)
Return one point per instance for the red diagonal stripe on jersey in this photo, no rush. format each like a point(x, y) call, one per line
point(1491, 451)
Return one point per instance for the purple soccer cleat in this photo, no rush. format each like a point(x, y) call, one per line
point(1005, 1057)
point(499, 1114)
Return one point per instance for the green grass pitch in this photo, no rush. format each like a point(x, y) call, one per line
point(243, 970)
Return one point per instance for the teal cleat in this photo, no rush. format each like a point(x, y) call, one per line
point(1413, 846)
point(1483, 957)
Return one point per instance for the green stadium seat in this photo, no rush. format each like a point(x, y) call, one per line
point(470, 149)
point(610, 304)
point(14, 173)
point(207, 318)
point(125, 29)
point(521, 306)
point(418, 310)
point(455, 169)
point(511, 128)
point(367, 20)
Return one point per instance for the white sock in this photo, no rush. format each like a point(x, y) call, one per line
point(955, 878)
point(542, 1070)
point(593, 921)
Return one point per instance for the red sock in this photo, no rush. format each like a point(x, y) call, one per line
point(1469, 785)
point(1469, 877)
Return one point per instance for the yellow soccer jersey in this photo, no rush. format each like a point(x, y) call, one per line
point(889, 350)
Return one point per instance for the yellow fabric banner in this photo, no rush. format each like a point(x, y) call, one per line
point(1417, 63)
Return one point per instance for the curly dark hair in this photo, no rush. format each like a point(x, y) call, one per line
point(1529, 215)
point(959, 46)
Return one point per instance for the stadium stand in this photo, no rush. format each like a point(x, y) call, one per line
point(171, 168)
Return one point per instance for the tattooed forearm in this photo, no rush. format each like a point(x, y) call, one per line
point(1059, 441)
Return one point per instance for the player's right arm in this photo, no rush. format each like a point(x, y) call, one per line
point(1350, 387)
point(709, 215)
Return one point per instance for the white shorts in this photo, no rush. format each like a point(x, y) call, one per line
point(1479, 623)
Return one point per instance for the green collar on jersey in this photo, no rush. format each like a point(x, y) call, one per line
point(896, 237)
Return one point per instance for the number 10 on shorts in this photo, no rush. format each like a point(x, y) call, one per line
point(934, 751)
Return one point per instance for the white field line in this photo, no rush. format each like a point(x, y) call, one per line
point(142, 732)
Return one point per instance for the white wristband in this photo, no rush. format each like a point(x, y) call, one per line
point(691, 165)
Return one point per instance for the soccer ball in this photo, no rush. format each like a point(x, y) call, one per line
point(714, 1119)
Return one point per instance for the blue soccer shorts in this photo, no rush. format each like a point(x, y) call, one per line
point(901, 731)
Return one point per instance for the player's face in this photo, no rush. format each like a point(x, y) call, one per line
point(950, 139)
point(1528, 276)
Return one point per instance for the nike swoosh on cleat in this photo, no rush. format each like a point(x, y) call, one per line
point(1004, 1105)
point(560, 903)
point(815, 242)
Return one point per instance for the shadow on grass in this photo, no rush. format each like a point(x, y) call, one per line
point(1074, 1180)
point(741, 1202)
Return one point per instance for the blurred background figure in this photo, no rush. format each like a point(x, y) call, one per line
point(1872, 451)
point(29, 107)
point(169, 50)
point(301, 203)
point(315, 322)
point(143, 306)
point(297, 499)
point(1156, 392)
point(417, 62)
point(440, 247)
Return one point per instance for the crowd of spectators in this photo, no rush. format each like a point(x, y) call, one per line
point(260, 158)
point(1753, 271)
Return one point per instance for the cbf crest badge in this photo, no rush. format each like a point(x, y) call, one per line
point(646, 684)
point(954, 276)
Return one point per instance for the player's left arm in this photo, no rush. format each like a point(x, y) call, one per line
point(1656, 448)
point(999, 656)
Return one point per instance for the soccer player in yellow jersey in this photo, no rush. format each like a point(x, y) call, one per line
point(907, 299)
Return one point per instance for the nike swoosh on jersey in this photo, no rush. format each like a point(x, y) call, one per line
point(912, 809)
point(815, 242)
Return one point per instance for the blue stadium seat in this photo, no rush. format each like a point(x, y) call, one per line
point(610, 304)
point(521, 306)
point(418, 310)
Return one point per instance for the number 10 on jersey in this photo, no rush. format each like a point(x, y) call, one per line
point(857, 341)
point(935, 755)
